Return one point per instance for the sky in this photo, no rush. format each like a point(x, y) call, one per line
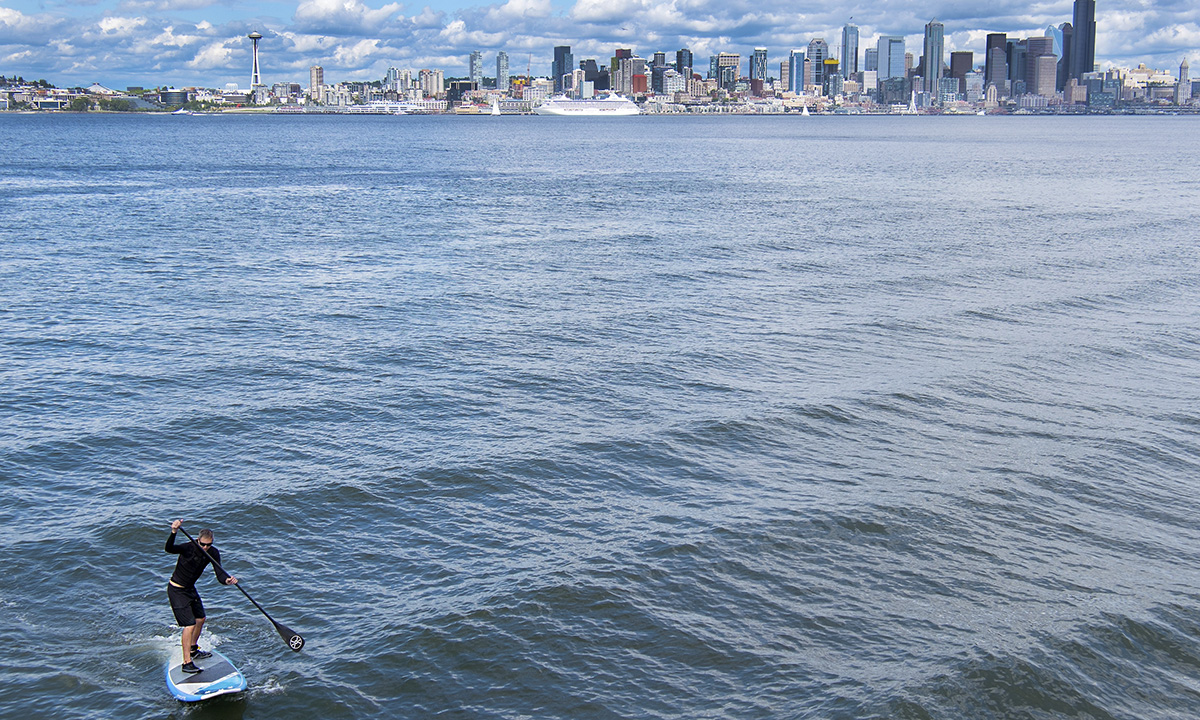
point(150, 43)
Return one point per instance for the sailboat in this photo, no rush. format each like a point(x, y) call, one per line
point(495, 106)
point(804, 112)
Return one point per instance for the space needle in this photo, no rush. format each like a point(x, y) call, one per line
point(255, 78)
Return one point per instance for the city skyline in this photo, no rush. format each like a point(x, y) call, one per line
point(118, 42)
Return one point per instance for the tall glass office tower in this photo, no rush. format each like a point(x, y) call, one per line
point(891, 56)
point(818, 52)
point(1083, 41)
point(475, 68)
point(564, 64)
point(502, 71)
point(796, 71)
point(849, 51)
point(935, 50)
point(758, 64)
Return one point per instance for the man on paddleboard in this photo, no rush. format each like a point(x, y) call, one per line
point(181, 590)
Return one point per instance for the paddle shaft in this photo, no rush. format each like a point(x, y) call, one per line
point(293, 639)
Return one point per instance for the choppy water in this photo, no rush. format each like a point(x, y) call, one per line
point(659, 418)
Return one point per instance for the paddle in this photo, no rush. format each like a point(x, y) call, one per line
point(293, 640)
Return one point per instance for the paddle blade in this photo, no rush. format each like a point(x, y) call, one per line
point(293, 640)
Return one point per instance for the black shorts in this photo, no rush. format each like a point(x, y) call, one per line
point(185, 603)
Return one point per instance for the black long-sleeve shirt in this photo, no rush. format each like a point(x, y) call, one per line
point(192, 561)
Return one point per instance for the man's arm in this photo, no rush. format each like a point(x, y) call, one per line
point(222, 576)
point(171, 547)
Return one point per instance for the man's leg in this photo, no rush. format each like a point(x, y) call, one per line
point(196, 632)
point(189, 633)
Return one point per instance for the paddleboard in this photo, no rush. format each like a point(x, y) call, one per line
point(217, 676)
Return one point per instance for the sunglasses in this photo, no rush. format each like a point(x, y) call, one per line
point(204, 544)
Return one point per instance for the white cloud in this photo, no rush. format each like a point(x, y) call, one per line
point(213, 55)
point(343, 17)
point(357, 54)
point(456, 34)
point(429, 18)
point(607, 10)
point(520, 9)
point(120, 26)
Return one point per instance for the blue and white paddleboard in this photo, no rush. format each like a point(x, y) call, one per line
point(217, 676)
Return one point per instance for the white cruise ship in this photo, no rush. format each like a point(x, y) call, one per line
point(608, 106)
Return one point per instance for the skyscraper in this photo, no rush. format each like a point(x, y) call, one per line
point(1083, 41)
point(475, 68)
point(727, 67)
point(935, 51)
point(1183, 89)
point(564, 63)
point(833, 78)
point(995, 62)
point(849, 51)
point(683, 63)
point(1064, 62)
point(316, 78)
point(1037, 47)
point(818, 53)
point(1042, 74)
point(871, 59)
point(962, 62)
point(796, 71)
point(502, 71)
point(891, 56)
point(758, 64)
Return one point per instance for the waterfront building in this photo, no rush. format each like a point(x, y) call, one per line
point(537, 90)
point(849, 51)
point(948, 90)
point(1183, 89)
point(961, 63)
point(1067, 32)
point(871, 60)
point(785, 77)
point(833, 79)
point(475, 69)
point(891, 53)
point(316, 78)
point(973, 81)
point(502, 82)
point(626, 66)
point(564, 63)
point(868, 80)
point(1083, 40)
point(818, 53)
point(724, 68)
point(673, 83)
point(1017, 53)
point(995, 68)
point(935, 50)
point(683, 62)
point(1044, 75)
point(433, 83)
point(1036, 48)
point(758, 65)
point(796, 72)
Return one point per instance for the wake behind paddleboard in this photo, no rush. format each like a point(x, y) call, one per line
point(217, 676)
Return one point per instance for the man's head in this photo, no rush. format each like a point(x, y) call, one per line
point(205, 538)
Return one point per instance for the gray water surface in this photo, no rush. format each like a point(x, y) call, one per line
point(562, 418)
